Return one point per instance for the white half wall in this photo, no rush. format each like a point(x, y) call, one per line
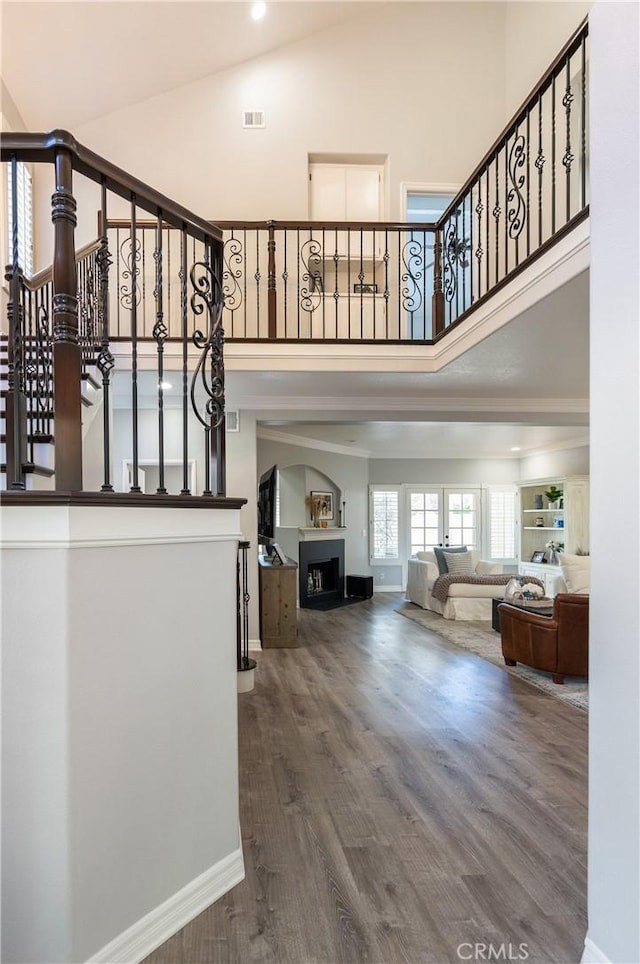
point(614, 725)
point(120, 774)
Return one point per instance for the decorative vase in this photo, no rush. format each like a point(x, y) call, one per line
point(324, 523)
point(553, 558)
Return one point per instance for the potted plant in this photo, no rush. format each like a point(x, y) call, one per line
point(554, 495)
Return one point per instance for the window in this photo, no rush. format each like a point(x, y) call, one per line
point(502, 524)
point(25, 216)
point(425, 525)
point(384, 503)
point(462, 522)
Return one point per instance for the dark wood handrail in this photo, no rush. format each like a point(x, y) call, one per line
point(124, 223)
point(569, 48)
point(37, 281)
point(43, 147)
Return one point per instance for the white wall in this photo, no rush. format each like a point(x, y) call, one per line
point(614, 725)
point(443, 471)
point(555, 464)
point(410, 81)
point(535, 31)
point(120, 782)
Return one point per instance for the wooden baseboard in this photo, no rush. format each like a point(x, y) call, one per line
point(152, 930)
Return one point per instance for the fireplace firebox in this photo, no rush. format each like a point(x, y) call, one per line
point(321, 571)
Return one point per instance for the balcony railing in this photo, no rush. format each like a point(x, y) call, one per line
point(306, 281)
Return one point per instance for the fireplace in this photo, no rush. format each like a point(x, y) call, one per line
point(321, 572)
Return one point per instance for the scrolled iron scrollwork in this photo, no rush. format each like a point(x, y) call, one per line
point(414, 262)
point(311, 278)
point(455, 255)
point(209, 371)
point(130, 254)
point(233, 258)
point(516, 207)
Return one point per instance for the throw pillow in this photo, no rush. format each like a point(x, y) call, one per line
point(439, 552)
point(459, 563)
point(576, 572)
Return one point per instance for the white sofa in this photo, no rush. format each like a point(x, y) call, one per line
point(464, 601)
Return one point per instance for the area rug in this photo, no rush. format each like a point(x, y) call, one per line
point(479, 638)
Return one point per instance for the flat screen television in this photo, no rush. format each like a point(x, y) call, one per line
point(267, 505)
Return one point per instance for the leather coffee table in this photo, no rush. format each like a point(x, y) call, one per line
point(531, 605)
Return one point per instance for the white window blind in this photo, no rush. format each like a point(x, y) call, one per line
point(25, 216)
point(384, 524)
point(502, 524)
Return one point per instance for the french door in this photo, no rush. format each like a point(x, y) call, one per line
point(443, 517)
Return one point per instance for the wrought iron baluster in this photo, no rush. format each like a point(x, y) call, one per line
point(479, 251)
point(160, 334)
point(348, 283)
point(336, 291)
point(487, 254)
point(144, 280)
point(186, 489)
point(506, 206)
point(361, 281)
point(553, 154)
point(298, 262)
point(528, 187)
point(257, 277)
point(135, 487)
point(568, 158)
point(386, 283)
point(105, 361)
point(285, 280)
point(323, 263)
point(374, 296)
point(118, 257)
point(539, 163)
point(496, 215)
point(583, 112)
point(470, 197)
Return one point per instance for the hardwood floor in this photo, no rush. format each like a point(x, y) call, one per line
point(400, 797)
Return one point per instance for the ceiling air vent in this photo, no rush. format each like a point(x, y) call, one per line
point(232, 421)
point(253, 118)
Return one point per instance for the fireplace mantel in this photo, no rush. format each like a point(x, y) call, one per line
point(311, 534)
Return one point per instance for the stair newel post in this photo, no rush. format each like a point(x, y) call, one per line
point(67, 362)
point(438, 293)
point(272, 297)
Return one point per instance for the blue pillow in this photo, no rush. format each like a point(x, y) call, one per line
point(439, 552)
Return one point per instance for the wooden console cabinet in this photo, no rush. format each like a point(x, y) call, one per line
point(278, 617)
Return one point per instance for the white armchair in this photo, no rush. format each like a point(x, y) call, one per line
point(465, 601)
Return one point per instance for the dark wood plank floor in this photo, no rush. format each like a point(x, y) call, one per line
point(399, 798)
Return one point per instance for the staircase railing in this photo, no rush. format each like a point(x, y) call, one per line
point(59, 323)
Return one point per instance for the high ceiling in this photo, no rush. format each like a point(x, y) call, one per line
point(145, 48)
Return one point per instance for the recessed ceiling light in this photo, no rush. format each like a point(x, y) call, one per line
point(515, 448)
point(165, 386)
point(258, 10)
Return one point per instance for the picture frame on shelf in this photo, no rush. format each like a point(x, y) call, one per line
point(278, 555)
point(324, 502)
point(538, 556)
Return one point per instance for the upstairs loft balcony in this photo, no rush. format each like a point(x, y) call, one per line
point(167, 291)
